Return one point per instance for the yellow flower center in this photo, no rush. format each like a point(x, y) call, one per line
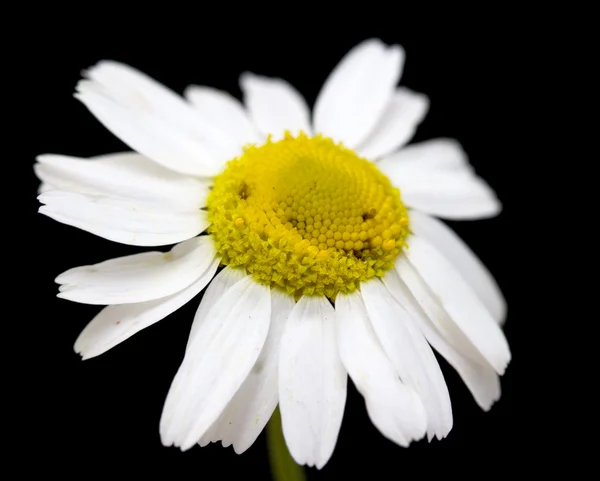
point(307, 216)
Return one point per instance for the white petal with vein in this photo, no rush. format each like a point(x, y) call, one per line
point(394, 408)
point(126, 175)
point(464, 259)
point(357, 92)
point(118, 220)
point(217, 288)
point(139, 277)
point(312, 382)
point(224, 111)
point(274, 105)
point(435, 177)
point(252, 406)
point(429, 156)
point(153, 120)
point(479, 376)
point(463, 306)
point(410, 355)
point(115, 324)
point(396, 127)
point(222, 354)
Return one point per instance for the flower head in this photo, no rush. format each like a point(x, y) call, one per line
point(339, 223)
point(333, 264)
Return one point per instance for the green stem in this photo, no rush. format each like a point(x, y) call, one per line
point(283, 466)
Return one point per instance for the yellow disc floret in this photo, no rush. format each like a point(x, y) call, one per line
point(306, 215)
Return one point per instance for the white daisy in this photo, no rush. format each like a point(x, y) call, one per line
point(334, 265)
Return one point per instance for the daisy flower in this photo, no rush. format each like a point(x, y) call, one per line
point(334, 264)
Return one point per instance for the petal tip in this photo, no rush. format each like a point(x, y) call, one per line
point(246, 77)
point(83, 349)
point(373, 42)
point(397, 51)
point(190, 91)
point(62, 295)
point(82, 86)
point(239, 448)
point(42, 158)
point(187, 445)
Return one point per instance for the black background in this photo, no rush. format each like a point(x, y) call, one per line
point(104, 413)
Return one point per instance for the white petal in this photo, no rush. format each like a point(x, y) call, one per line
point(126, 175)
point(410, 355)
point(248, 412)
point(217, 288)
point(431, 305)
point(358, 91)
point(452, 196)
point(459, 301)
point(480, 377)
point(154, 120)
point(139, 277)
point(45, 187)
point(435, 177)
point(432, 155)
point(221, 355)
point(224, 111)
point(405, 111)
point(312, 382)
point(114, 324)
point(220, 284)
point(133, 223)
point(274, 105)
point(394, 408)
point(143, 94)
point(466, 262)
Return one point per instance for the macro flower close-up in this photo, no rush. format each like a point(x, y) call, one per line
point(317, 236)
